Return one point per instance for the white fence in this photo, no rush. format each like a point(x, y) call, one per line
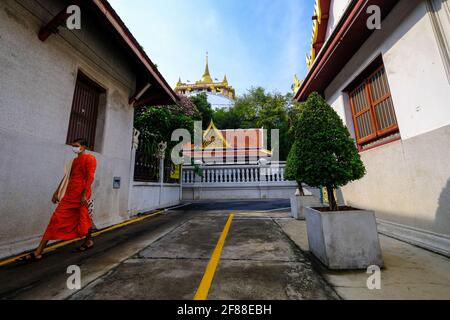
point(237, 182)
point(234, 174)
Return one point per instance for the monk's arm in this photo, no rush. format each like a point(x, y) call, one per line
point(59, 185)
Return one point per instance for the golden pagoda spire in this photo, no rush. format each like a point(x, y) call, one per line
point(225, 80)
point(206, 78)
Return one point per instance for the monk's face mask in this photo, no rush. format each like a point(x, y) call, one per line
point(76, 149)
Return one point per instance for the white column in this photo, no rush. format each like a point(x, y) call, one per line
point(161, 178)
point(134, 146)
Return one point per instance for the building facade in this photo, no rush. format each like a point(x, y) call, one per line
point(390, 83)
point(58, 86)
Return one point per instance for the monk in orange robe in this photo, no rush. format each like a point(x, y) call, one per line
point(71, 218)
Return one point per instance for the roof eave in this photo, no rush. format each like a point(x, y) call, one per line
point(347, 38)
point(120, 27)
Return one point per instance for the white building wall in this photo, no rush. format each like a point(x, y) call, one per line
point(237, 191)
point(37, 82)
point(408, 181)
point(414, 67)
point(147, 196)
point(337, 9)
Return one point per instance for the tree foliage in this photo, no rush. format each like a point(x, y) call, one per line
point(156, 124)
point(205, 111)
point(259, 109)
point(324, 153)
point(292, 167)
point(187, 107)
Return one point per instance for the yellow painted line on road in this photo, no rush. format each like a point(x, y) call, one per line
point(95, 234)
point(205, 284)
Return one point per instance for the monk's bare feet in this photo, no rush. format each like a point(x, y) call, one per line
point(32, 257)
point(88, 244)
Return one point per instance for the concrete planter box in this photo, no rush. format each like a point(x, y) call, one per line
point(344, 239)
point(298, 204)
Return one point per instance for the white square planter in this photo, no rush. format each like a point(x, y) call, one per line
point(344, 239)
point(298, 203)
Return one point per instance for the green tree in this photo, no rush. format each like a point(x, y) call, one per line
point(294, 113)
point(325, 154)
point(292, 164)
point(156, 124)
point(259, 109)
point(292, 167)
point(226, 118)
point(204, 108)
point(273, 114)
point(248, 107)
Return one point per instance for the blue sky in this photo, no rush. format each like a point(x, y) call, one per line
point(255, 42)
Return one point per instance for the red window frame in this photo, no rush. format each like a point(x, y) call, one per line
point(378, 133)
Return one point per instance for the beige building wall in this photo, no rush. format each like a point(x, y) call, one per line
point(407, 181)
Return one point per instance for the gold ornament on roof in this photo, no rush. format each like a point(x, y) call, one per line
point(207, 84)
point(206, 78)
point(297, 84)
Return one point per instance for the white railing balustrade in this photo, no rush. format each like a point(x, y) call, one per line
point(242, 174)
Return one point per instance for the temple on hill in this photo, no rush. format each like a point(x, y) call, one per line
point(220, 93)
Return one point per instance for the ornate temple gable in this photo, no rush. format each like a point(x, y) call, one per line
point(214, 139)
point(320, 24)
point(237, 144)
point(207, 84)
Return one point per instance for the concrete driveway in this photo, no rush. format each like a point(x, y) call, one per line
point(179, 254)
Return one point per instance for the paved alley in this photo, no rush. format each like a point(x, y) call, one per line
point(167, 256)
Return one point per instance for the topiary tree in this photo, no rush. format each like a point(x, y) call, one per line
point(292, 161)
point(292, 167)
point(324, 153)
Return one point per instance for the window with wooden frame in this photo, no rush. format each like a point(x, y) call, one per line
point(372, 108)
point(85, 105)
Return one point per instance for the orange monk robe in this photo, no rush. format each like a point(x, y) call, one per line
point(71, 219)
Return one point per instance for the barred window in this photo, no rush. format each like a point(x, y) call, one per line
point(85, 105)
point(373, 110)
